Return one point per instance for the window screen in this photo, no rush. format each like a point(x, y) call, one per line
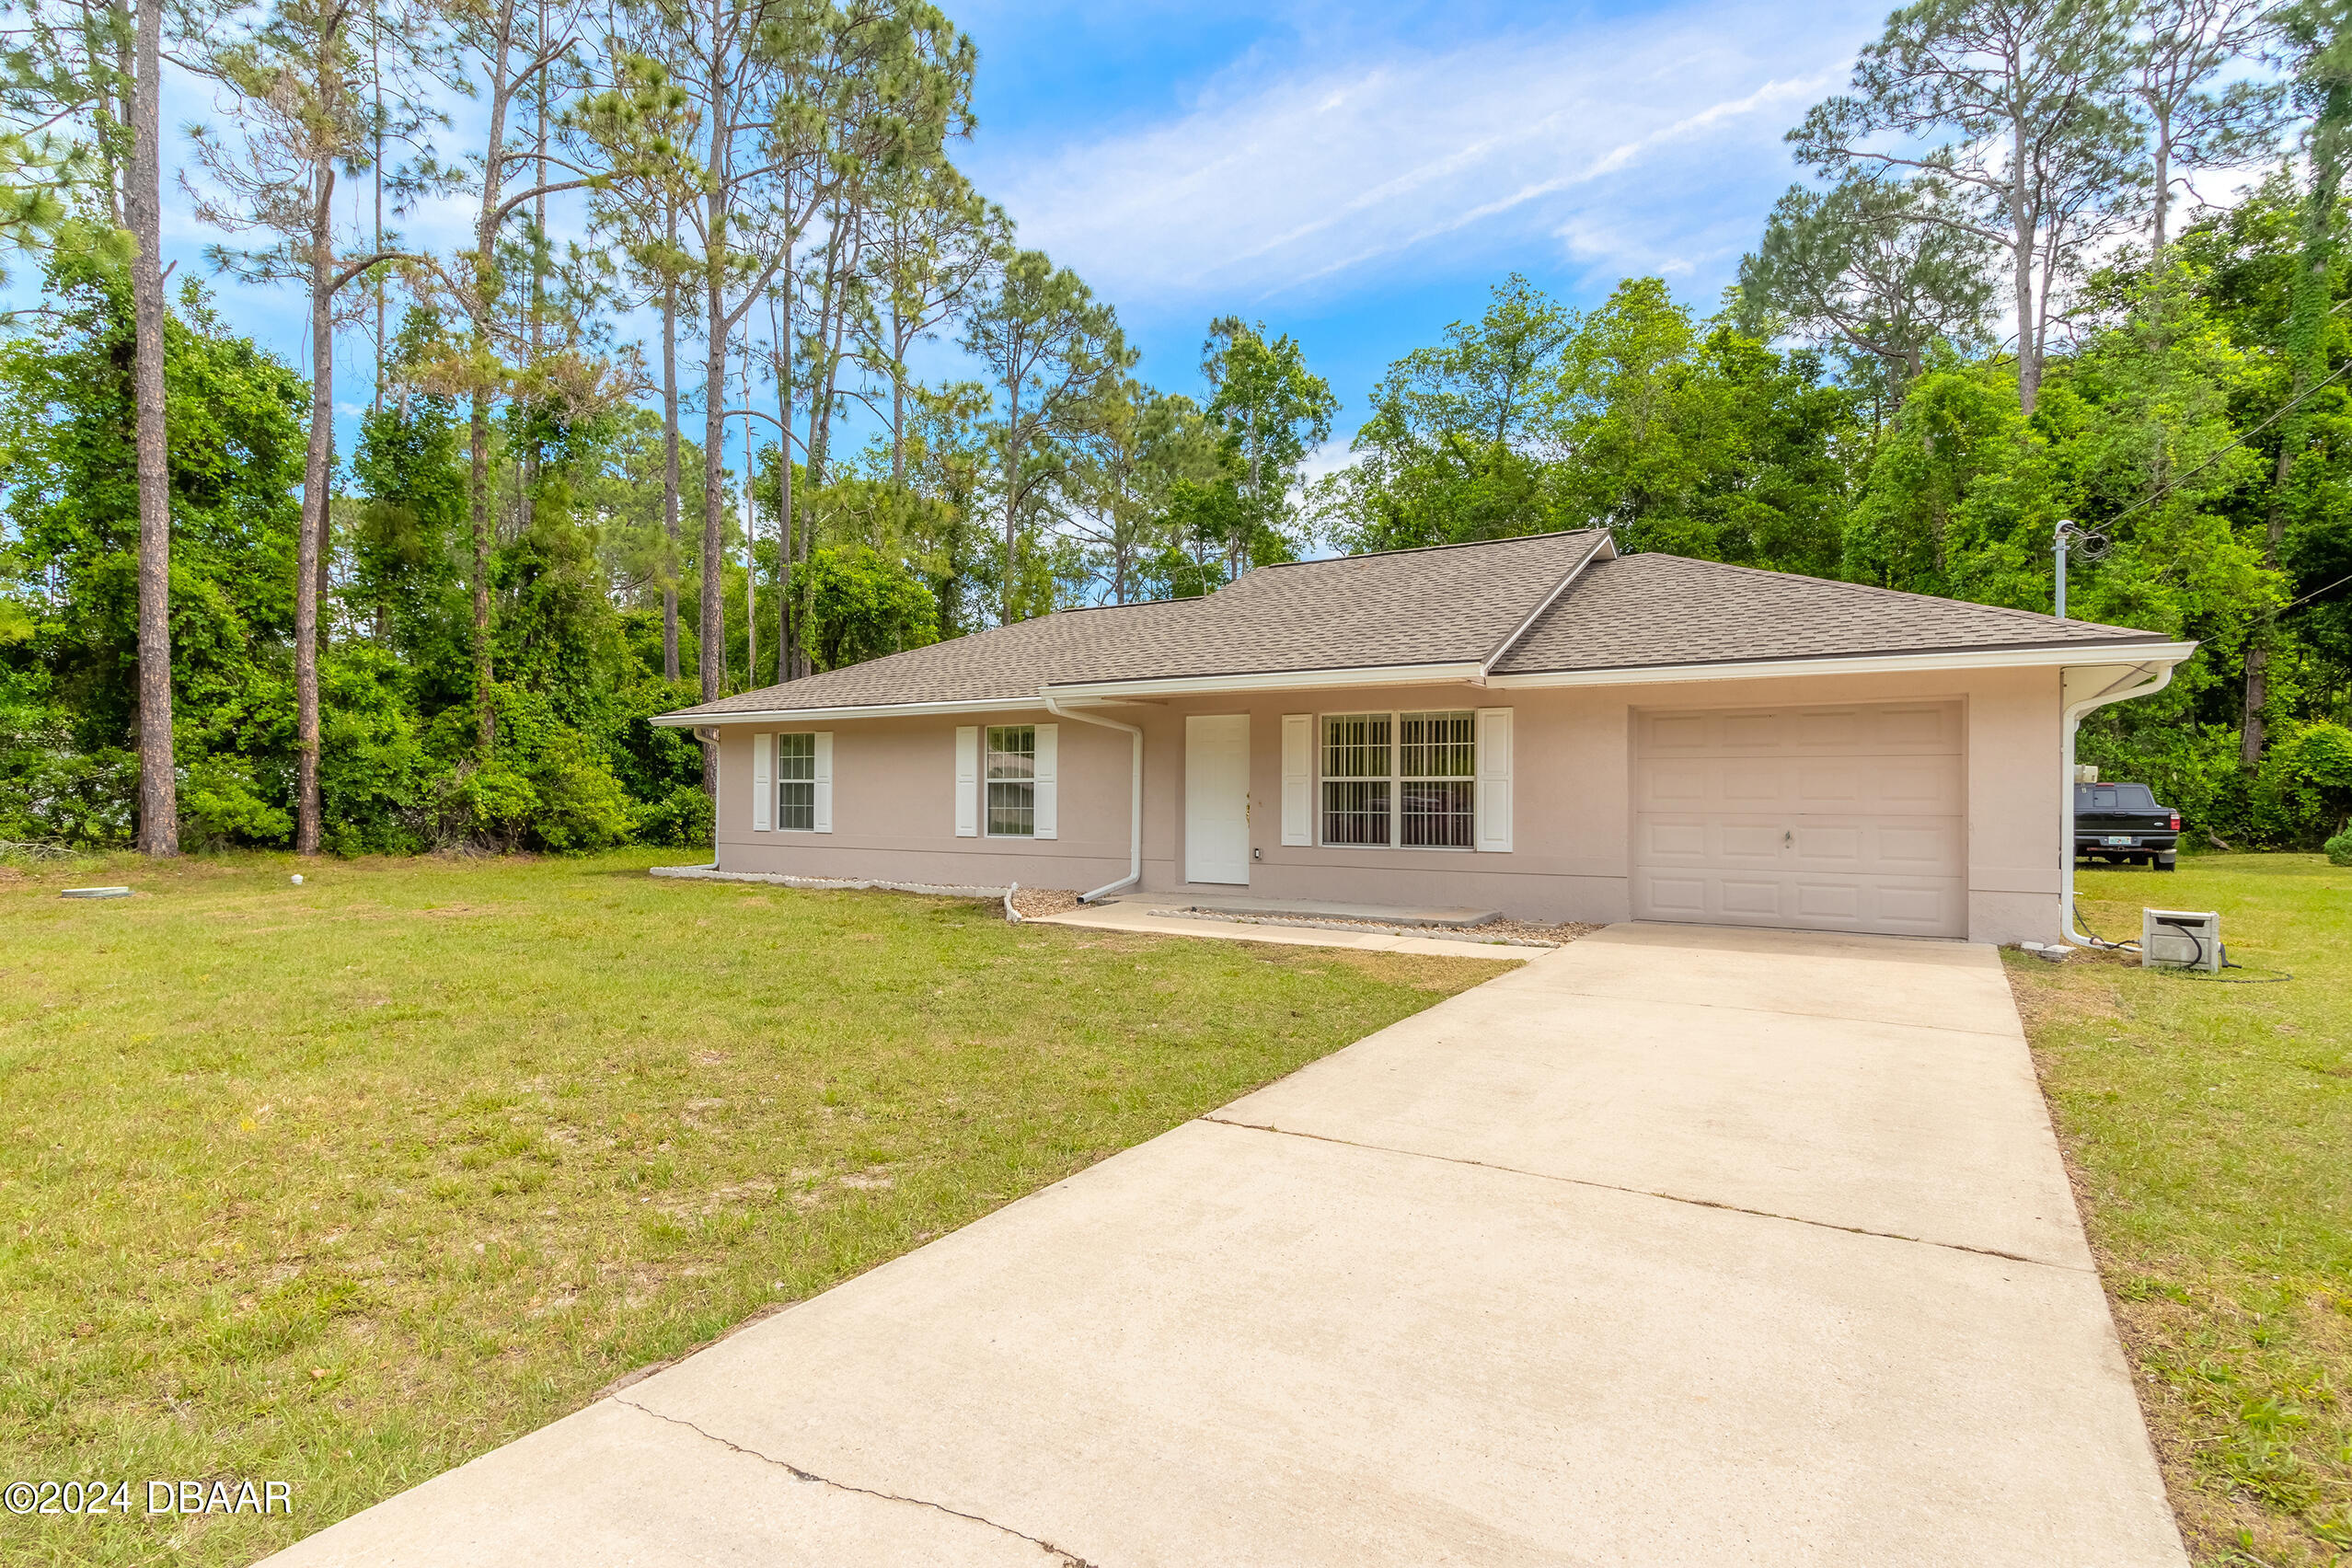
point(1012, 781)
point(1438, 758)
point(1356, 779)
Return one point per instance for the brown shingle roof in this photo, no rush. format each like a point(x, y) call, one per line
point(1664, 609)
point(1452, 604)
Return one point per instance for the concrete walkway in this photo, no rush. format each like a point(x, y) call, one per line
point(1674, 1246)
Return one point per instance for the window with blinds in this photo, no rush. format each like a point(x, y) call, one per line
point(1407, 779)
point(1436, 782)
point(1358, 773)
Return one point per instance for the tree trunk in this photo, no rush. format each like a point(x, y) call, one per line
point(2163, 139)
point(787, 651)
point(158, 786)
point(2022, 246)
point(897, 404)
point(1012, 481)
point(669, 470)
point(485, 716)
point(314, 519)
point(713, 662)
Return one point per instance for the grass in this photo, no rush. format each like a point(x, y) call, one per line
point(342, 1185)
point(2209, 1127)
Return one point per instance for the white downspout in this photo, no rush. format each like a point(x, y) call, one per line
point(2073, 718)
point(1134, 796)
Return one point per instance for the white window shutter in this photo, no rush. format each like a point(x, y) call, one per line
point(1494, 778)
point(967, 782)
point(762, 782)
point(1049, 747)
point(823, 823)
point(1298, 778)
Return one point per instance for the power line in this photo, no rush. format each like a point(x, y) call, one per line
point(2312, 595)
point(2284, 411)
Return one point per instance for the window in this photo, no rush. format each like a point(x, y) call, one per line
point(1012, 781)
point(1356, 776)
point(1408, 779)
point(796, 782)
point(1436, 772)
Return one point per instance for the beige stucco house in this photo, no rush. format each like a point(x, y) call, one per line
point(1537, 726)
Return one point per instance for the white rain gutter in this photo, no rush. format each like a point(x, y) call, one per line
point(1135, 798)
point(1469, 671)
point(2115, 691)
point(1851, 664)
point(859, 710)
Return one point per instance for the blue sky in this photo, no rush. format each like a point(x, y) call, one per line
point(1357, 175)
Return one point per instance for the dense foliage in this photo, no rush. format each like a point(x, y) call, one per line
point(1938, 352)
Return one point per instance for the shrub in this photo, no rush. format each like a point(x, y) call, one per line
point(2339, 849)
point(2304, 791)
point(220, 804)
point(686, 820)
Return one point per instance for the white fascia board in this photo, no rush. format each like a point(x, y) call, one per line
point(2165, 653)
point(1469, 670)
point(870, 710)
point(1604, 548)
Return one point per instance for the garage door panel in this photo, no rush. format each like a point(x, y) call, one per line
point(1671, 897)
point(1662, 734)
point(1840, 901)
point(1751, 898)
point(1751, 732)
point(1821, 846)
point(1838, 818)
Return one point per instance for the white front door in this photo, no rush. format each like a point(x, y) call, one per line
point(1216, 798)
point(1847, 818)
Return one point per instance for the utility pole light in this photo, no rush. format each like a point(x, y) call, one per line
point(2070, 535)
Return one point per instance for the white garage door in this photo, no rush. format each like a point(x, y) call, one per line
point(1842, 819)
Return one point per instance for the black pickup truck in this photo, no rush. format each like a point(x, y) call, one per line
point(2122, 823)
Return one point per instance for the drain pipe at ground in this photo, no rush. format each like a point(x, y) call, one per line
point(2116, 692)
point(1135, 797)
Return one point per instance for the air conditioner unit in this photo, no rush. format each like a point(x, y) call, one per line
point(2180, 938)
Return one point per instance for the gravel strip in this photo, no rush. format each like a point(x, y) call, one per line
point(1036, 902)
point(1493, 933)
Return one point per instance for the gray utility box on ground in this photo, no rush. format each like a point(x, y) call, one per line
point(2180, 938)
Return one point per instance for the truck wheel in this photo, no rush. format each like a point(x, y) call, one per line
point(2167, 862)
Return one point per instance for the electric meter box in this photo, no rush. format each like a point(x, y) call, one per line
point(2180, 938)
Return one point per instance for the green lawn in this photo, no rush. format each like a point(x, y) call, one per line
point(2210, 1128)
point(342, 1185)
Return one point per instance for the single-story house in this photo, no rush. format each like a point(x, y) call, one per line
point(1539, 726)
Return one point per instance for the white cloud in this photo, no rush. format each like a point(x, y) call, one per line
point(1615, 134)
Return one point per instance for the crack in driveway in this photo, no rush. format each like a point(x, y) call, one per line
point(1646, 1192)
point(1071, 1559)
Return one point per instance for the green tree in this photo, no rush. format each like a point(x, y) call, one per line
point(1055, 357)
point(1274, 412)
point(1872, 270)
point(69, 555)
point(861, 604)
point(2016, 106)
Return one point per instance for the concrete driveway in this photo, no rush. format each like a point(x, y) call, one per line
point(1675, 1246)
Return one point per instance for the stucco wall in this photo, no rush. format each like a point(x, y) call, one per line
point(895, 782)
